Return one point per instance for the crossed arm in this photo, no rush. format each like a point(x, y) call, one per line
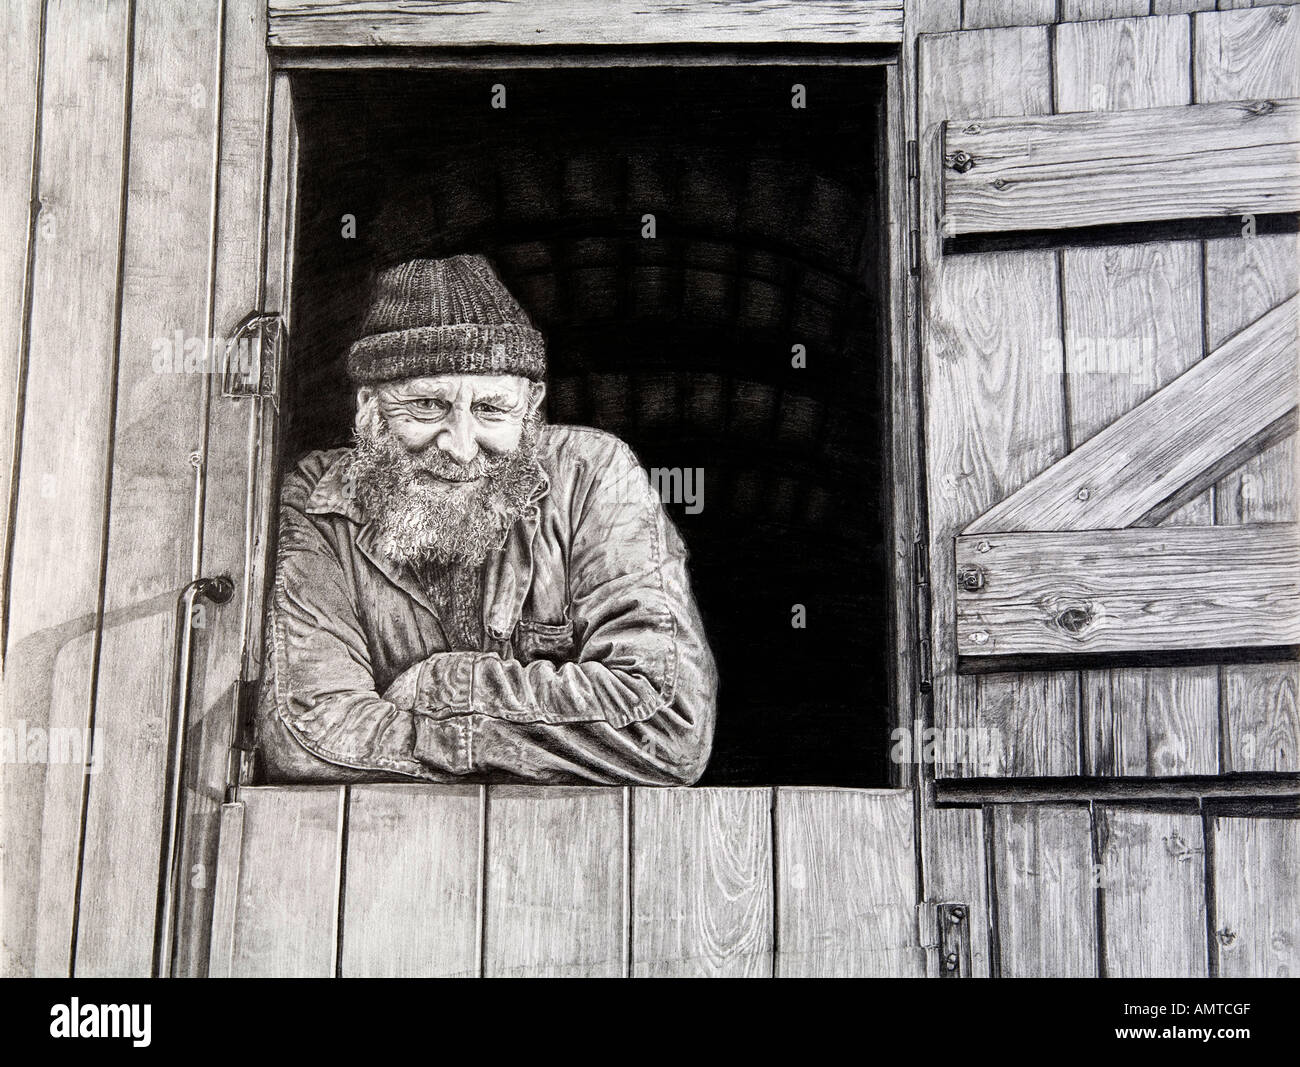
point(635, 704)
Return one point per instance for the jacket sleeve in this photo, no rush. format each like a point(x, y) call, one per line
point(635, 702)
point(319, 716)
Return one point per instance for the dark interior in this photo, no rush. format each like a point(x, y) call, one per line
point(769, 235)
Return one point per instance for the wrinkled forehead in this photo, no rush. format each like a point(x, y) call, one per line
point(506, 390)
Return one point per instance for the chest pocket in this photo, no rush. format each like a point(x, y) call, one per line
point(542, 640)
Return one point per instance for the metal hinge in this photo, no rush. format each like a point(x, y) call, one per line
point(924, 643)
point(945, 927)
point(913, 160)
point(250, 365)
point(239, 762)
point(914, 251)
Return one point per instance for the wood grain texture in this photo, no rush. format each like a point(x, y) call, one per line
point(1085, 10)
point(239, 239)
point(1151, 872)
point(413, 891)
point(1257, 896)
point(1222, 405)
point(225, 891)
point(702, 883)
point(1094, 169)
point(1132, 324)
point(20, 29)
point(994, 405)
point(846, 884)
point(157, 422)
point(389, 23)
point(1142, 590)
point(287, 901)
point(1180, 7)
point(985, 14)
point(954, 868)
point(1253, 53)
point(1046, 907)
point(555, 883)
point(58, 525)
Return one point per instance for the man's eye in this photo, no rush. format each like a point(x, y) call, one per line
point(426, 403)
point(489, 409)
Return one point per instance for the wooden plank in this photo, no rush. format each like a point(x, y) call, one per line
point(287, 904)
point(1253, 53)
point(1257, 896)
point(986, 14)
point(1223, 406)
point(954, 867)
point(389, 23)
point(58, 523)
point(157, 423)
point(556, 883)
point(702, 883)
point(239, 243)
point(1151, 873)
point(225, 891)
point(1180, 7)
point(1141, 590)
point(846, 884)
point(1046, 907)
point(413, 892)
point(1100, 168)
point(993, 403)
point(1133, 323)
point(1084, 10)
point(20, 29)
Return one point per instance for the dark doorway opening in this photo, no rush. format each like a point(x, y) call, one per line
point(768, 234)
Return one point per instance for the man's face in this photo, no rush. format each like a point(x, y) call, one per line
point(460, 415)
point(445, 464)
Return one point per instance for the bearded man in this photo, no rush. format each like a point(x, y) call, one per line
point(470, 594)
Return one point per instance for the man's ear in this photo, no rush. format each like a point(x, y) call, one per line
point(367, 420)
point(536, 394)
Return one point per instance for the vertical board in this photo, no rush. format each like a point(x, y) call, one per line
point(701, 883)
point(20, 29)
point(1151, 872)
point(239, 242)
point(286, 903)
point(954, 866)
point(556, 883)
point(156, 424)
point(1046, 905)
point(994, 406)
point(846, 884)
point(412, 895)
point(1084, 10)
point(1257, 896)
point(1133, 324)
point(1244, 55)
point(985, 14)
point(58, 524)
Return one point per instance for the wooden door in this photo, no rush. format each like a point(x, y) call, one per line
point(1108, 350)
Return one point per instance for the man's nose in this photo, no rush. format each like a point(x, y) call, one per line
point(456, 441)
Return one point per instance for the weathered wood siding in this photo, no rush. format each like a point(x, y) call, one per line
point(1033, 355)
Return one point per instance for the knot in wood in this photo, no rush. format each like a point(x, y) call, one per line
point(970, 578)
point(999, 183)
point(1261, 107)
point(1074, 620)
point(974, 127)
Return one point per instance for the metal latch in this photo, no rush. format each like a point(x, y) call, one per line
point(945, 927)
point(250, 365)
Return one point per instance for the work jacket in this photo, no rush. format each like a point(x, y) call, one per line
point(594, 665)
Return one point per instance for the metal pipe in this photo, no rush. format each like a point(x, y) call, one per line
point(218, 590)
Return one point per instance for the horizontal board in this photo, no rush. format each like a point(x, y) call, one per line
point(1202, 424)
point(1171, 587)
point(1095, 168)
point(426, 23)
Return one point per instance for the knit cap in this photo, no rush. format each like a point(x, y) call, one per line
point(444, 316)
